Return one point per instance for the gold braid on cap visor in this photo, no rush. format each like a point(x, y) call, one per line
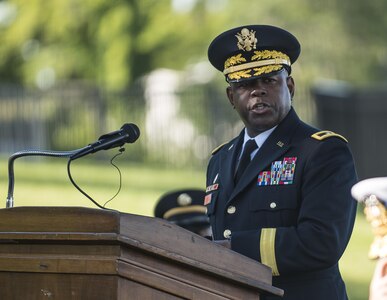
point(262, 62)
point(376, 214)
point(185, 210)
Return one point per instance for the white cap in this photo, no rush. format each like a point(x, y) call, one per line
point(373, 186)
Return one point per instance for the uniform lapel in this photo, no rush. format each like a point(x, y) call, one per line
point(274, 147)
point(228, 161)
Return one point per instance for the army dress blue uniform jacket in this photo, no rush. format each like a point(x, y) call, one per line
point(292, 209)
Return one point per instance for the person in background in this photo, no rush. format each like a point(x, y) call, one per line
point(184, 208)
point(373, 193)
point(280, 192)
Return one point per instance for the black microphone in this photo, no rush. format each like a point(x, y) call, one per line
point(129, 133)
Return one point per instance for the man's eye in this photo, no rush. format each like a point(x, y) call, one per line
point(242, 84)
point(268, 79)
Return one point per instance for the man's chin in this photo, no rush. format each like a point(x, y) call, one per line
point(259, 128)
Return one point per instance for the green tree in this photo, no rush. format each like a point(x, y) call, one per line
point(112, 43)
point(108, 42)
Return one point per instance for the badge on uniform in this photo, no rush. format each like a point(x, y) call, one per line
point(211, 188)
point(207, 199)
point(281, 173)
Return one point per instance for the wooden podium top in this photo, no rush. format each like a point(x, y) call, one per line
point(153, 235)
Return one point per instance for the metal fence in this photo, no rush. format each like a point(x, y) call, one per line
point(180, 124)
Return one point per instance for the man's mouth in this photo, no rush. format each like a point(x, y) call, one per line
point(259, 107)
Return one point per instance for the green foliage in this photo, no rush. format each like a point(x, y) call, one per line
point(112, 43)
point(108, 42)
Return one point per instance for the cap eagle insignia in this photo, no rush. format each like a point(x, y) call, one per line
point(246, 40)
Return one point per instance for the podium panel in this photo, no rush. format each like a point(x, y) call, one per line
point(84, 253)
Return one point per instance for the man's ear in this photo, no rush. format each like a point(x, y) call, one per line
point(230, 96)
point(291, 86)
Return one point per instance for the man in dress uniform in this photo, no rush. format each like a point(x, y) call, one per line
point(280, 192)
point(184, 207)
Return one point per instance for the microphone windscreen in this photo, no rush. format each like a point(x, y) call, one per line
point(132, 131)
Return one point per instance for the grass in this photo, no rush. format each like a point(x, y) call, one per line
point(44, 182)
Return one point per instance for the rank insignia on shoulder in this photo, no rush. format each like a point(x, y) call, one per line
point(217, 148)
point(322, 135)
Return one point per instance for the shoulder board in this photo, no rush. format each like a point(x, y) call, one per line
point(322, 135)
point(217, 148)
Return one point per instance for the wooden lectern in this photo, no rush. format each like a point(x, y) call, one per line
point(83, 253)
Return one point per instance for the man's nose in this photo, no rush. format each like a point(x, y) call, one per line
point(258, 89)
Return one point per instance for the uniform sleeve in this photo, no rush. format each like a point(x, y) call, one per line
point(325, 220)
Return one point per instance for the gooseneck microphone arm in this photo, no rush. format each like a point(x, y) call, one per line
point(11, 160)
point(128, 133)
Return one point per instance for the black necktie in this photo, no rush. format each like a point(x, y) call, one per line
point(250, 146)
